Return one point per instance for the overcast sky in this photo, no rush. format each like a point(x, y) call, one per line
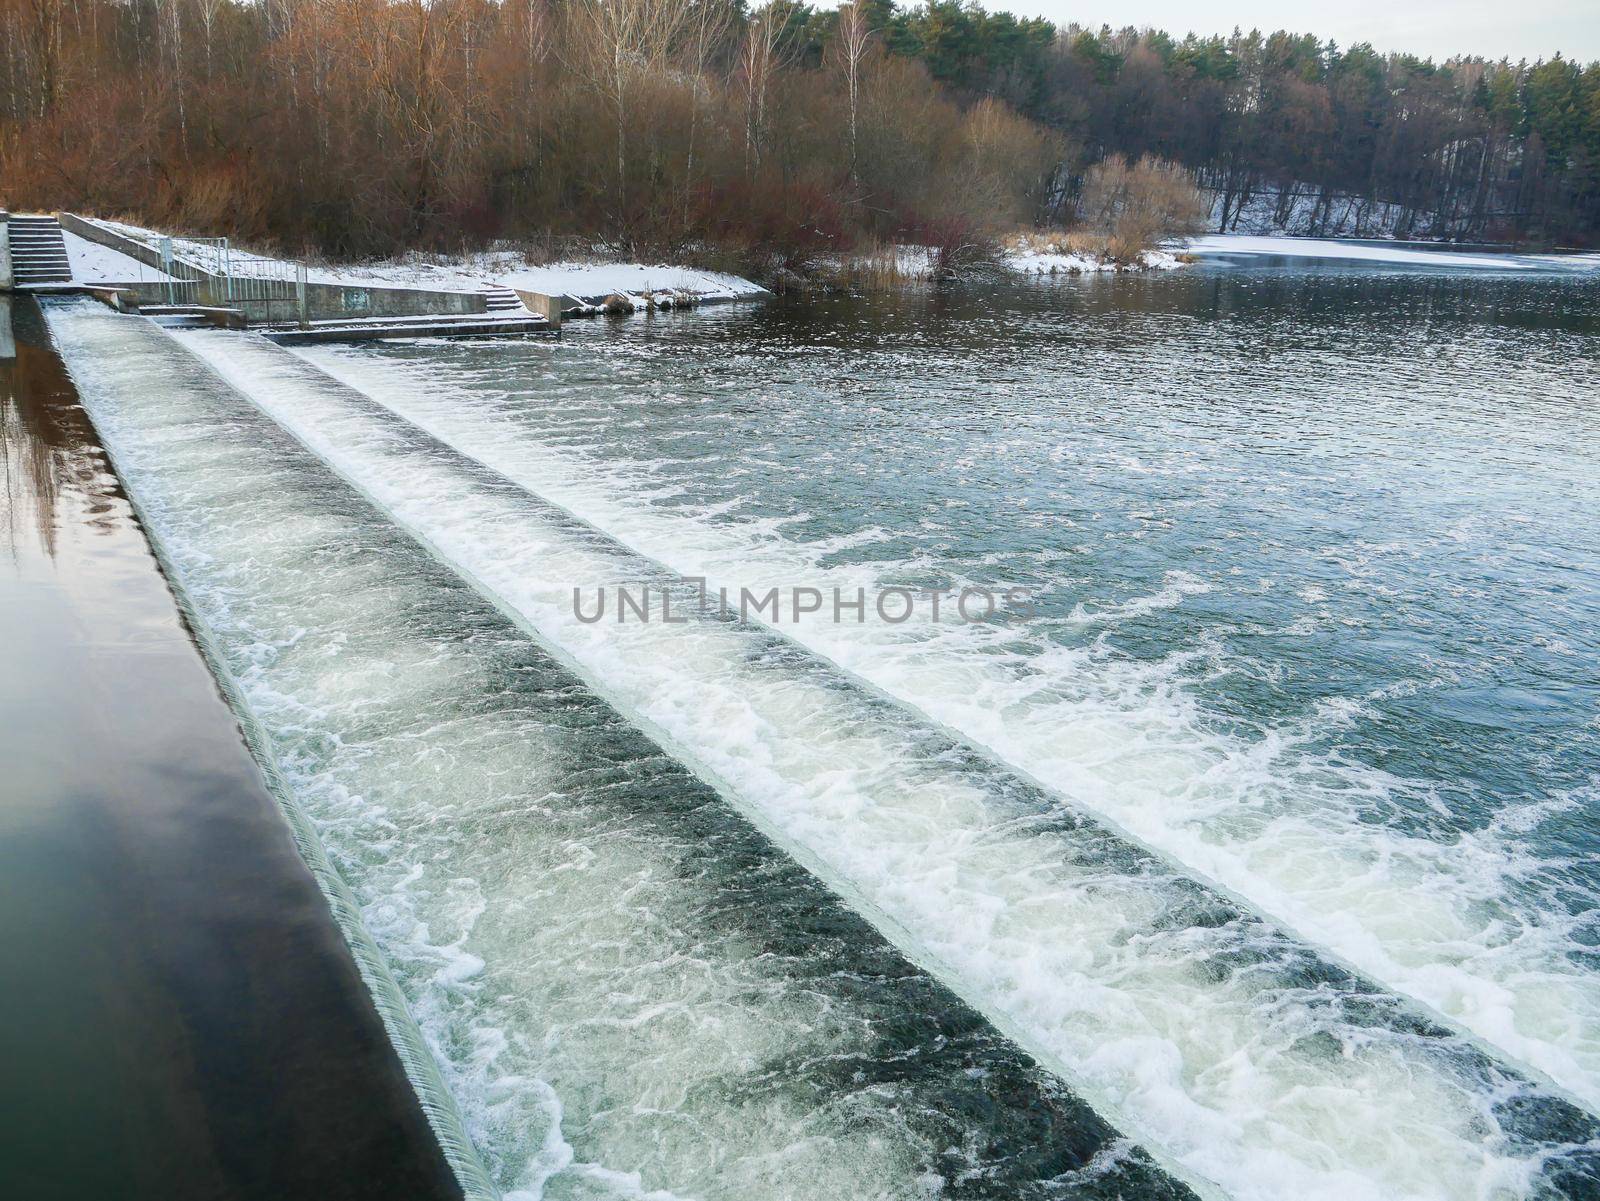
point(1433, 28)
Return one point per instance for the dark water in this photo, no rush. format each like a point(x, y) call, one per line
point(1315, 586)
point(1313, 547)
point(180, 1019)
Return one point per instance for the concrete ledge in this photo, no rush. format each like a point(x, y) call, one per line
point(324, 301)
point(445, 327)
point(331, 302)
point(124, 300)
point(551, 308)
point(222, 318)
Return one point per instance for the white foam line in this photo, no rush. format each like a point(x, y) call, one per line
point(1230, 1078)
point(365, 791)
point(1430, 921)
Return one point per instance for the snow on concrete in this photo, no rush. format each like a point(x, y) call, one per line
point(96, 264)
point(437, 275)
point(640, 285)
point(1228, 246)
point(591, 282)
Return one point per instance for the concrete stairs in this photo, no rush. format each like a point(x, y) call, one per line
point(503, 300)
point(38, 252)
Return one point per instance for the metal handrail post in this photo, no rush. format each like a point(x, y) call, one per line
point(166, 268)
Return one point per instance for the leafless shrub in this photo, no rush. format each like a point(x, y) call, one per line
point(1134, 206)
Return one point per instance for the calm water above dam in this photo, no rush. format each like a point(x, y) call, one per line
point(180, 1017)
point(1259, 859)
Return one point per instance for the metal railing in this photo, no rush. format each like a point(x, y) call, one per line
point(208, 271)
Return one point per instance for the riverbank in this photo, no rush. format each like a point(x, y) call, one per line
point(588, 280)
point(1253, 249)
point(182, 1017)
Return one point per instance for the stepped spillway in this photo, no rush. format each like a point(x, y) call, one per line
point(1468, 916)
point(1242, 1053)
point(629, 990)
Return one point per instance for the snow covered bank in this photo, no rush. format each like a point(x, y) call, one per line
point(1023, 254)
point(1302, 210)
point(1063, 262)
point(95, 264)
point(1229, 246)
point(590, 282)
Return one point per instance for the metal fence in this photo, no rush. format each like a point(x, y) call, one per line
point(269, 289)
point(208, 271)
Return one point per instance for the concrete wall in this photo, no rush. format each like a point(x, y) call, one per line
point(5, 254)
point(132, 247)
point(8, 343)
point(324, 302)
point(547, 306)
point(329, 302)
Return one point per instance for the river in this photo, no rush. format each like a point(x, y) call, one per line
point(1249, 849)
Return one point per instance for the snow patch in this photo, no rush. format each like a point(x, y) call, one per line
point(95, 264)
point(643, 285)
point(1225, 246)
point(1029, 255)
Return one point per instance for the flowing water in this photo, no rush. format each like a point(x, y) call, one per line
point(1268, 833)
point(631, 992)
point(181, 1016)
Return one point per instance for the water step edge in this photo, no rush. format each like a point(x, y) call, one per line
point(421, 1068)
point(899, 937)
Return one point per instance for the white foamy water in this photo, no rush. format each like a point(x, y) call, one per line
point(630, 993)
point(1452, 923)
point(1201, 1032)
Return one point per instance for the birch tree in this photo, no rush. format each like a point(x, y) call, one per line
point(854, 36)
point(618, 44)
point(758, 62)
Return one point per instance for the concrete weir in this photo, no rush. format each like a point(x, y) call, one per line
point(183, 1016)
point(441, 327)
point(194, 280)
point(213, 286)
point(289, 298)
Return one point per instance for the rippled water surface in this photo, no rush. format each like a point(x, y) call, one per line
point(1314, 555)
point(1270, 833)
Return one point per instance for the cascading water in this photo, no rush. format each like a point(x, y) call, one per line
point(553, 893)
point(1211, 1036)
point(1401, 869)
point(630, 992)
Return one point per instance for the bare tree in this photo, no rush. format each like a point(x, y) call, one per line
point(759, 60)
point(411, 84)
point(41, 41)
point(210, 10)
point(708, 26)
point(618, 44)
point(854, 37)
